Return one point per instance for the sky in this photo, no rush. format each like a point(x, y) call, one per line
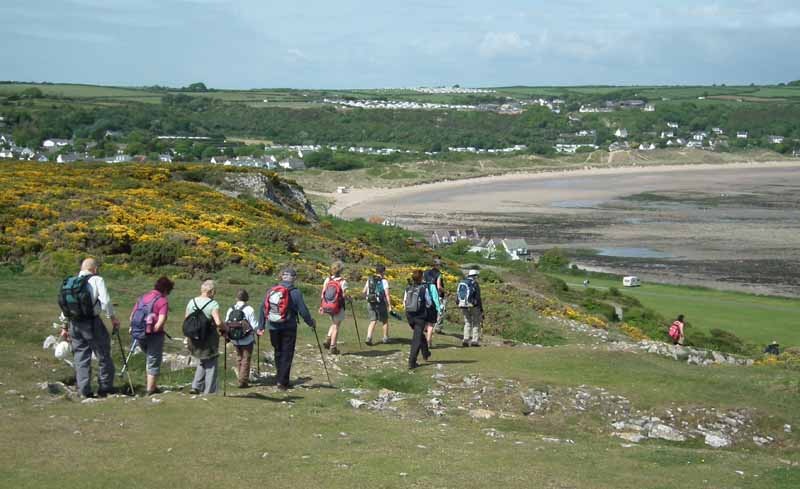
point(401, 43)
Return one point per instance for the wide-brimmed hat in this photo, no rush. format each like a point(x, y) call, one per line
point(473, 273)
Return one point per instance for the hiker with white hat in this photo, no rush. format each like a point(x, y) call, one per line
point(468, 295)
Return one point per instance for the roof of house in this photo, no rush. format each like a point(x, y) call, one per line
point(516, 244)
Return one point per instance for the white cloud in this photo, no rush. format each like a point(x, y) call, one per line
point(297, 55)
point(496, 44)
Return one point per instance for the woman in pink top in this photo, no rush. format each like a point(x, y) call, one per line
point(153, 342)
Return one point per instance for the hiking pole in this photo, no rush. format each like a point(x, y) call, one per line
point(324, 364)
point(355, 321)
point(258, 356)
point(225, 370)
point(124, 362)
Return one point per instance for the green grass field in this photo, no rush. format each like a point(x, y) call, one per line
point(314, 438)
point(754, 318)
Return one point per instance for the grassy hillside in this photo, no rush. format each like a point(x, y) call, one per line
point(461, 420)
point(758, 319)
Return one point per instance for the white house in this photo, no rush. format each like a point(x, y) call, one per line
point(672, 125)
point(667, 134)
point(6, 154)
point(718, 131)
point(54, 143)
point(119, 158)
point(647, 147)
point(742, 134)
point(619, 146)
point(649, 108)
point(699, 136)
point(775, 139)
point(221, 160)
point(165, 158)
point(292, 164)
point(517, 249)
point(621, 133)
point(69, 158)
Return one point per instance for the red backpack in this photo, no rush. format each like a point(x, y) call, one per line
point(276, 304)
point(675, 331)
point(332, 297)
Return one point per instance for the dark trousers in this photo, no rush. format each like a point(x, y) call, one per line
point(418, 341)
point(283, 340)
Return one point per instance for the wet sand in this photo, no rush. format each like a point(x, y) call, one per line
point(735, 225)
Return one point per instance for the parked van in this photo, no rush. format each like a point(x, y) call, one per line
point(631, 281)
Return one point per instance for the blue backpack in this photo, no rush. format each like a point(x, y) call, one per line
point(143, 318)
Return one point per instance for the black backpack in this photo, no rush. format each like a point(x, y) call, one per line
point(75, 298)
point(197, 325)
point(237, 326)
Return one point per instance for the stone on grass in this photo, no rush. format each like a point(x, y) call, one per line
point(481, 414)
point(665, 432)
point(717, 440)
point(357, 403)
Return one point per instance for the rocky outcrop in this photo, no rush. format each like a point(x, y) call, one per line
point(283, 193)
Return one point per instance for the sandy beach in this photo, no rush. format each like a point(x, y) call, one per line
point(360, 201)
point(732, 226)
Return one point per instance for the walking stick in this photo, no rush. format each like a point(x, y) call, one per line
point(125, 362)
point(355, 321)
point(258, 356)
point(225, 370)
point(324, 364)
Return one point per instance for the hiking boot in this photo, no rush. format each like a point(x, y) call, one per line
point(386, 340)
point(413, 366)
point(327, 343)
point(369, 342)
point(194, 392)
point(474, 343)
point(243, 385)
point(464, 344)
point(283, 387)
point(334, 350)
point(102, 393)
point(426, 356)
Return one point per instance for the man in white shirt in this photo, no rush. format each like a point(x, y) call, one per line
point(244, 345)
point(89, 335)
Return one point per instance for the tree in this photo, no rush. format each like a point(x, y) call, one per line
point(197, 87)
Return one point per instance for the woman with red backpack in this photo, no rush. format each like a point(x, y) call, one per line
point(333, 298)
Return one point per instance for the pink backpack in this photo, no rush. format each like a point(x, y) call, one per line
point(675, 331)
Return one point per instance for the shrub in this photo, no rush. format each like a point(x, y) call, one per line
point(553, 260)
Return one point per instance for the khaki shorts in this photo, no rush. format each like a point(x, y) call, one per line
point(338, 317)
point(379, 312)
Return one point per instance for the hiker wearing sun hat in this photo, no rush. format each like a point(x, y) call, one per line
point(468, 295)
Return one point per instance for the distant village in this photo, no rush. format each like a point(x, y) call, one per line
point(582, 139)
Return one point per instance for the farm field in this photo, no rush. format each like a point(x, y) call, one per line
point(758, 319)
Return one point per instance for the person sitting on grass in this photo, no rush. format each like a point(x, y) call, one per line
point(243, 316)
point(376, 291)
point(153, 342)
point(206, 351)
point(333, 297)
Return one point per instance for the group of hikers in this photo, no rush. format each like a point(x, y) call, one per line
point(84, 298)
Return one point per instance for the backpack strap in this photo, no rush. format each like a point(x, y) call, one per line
point(204, 305)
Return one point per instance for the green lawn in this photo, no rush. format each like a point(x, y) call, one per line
point(755, 318)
